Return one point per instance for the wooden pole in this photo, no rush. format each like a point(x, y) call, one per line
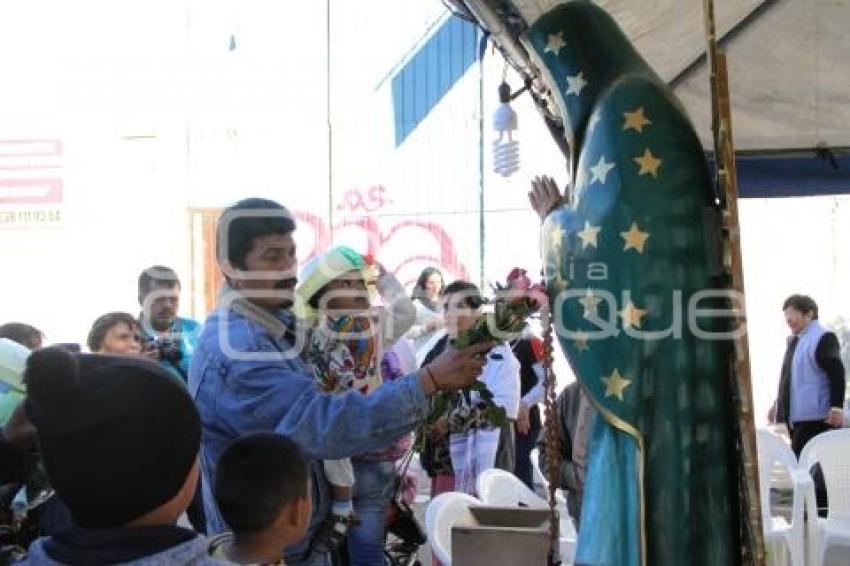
point(727, 183)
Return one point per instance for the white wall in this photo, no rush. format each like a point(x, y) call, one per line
point(155, 114)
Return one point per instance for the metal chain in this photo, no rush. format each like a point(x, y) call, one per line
point(553, 454)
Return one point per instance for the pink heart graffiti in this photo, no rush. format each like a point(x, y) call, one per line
point(376, 239)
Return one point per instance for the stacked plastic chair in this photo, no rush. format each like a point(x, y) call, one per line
point(832, 451)
point(503, 489)
point(445, 511)
point(773, 451)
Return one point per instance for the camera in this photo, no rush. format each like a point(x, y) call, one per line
point(168, 348)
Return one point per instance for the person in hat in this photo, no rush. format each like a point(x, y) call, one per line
point(119, 439)
point(345, 348)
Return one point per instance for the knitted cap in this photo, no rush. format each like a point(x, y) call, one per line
point(118, 435)
point(326, 267)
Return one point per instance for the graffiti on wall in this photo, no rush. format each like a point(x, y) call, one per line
point(402, 246)
point(405, 245)
point(368, 201)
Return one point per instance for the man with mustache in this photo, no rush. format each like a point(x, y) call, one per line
point(167, 338)
point(248, 374)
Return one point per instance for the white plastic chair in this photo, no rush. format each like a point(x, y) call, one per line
point(503, 489)
point(445, 511)
point(832, 451)
point(540, 478)
point(773, 450)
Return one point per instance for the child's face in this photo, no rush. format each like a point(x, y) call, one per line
point(347, 293)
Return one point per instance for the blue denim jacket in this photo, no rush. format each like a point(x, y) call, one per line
point(266, 392)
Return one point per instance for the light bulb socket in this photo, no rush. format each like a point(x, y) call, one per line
point(504, 93)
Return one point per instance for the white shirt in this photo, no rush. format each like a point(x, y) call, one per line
point(502, 378)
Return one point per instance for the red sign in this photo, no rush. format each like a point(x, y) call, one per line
point(30, 172)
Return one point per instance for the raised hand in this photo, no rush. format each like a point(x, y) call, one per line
point(545, 196)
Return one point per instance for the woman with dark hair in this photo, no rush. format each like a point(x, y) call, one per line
point(429, 317)
point(116, 333)
point(462, 444)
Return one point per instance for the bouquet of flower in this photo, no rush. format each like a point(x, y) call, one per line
point(513, 305)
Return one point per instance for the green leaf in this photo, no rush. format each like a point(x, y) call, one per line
point(497, 416)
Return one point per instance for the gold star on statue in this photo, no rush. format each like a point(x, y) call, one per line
point(615, 384)
point(575, 84)
point(635, 239)
point(632, 315)
point(554, 43)
point(635, 120)
point(590, 304)
point(580, 341)
point(588, 235)
point(649, 164)
point(599, 172)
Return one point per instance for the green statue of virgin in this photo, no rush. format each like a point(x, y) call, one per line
point(638, 293)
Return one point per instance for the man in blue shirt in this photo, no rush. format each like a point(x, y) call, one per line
point(248, 375)
point(168, 338)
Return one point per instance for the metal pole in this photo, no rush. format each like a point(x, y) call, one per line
point(481, 233)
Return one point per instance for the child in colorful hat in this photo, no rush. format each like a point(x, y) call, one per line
point(346, 343)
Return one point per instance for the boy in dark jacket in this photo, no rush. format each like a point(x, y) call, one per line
point(119, 439)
